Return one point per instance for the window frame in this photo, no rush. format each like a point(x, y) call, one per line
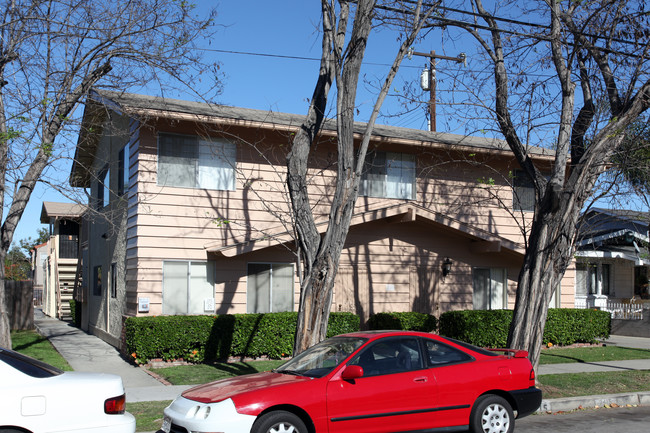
point(292, 301)
point(113, 280)
point(222, 166)
point(103, 187)
point(97, 280)
point(167, 303)
point(523, 192)
point(491, 281)
point(378, 169)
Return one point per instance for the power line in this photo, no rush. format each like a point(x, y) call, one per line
point(315, 59)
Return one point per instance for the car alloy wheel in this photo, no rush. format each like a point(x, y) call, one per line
point(279, 422)
point(492, 414)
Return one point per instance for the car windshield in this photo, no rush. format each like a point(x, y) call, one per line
point(319, 360)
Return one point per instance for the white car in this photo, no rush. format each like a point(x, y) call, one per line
point(38, 398)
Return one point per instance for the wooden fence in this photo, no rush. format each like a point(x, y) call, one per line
point(20, 303)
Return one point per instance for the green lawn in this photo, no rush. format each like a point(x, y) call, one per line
point(202, 373)
point(577, 384)
point(148, 414)
point(562, 355)
point(31, 343)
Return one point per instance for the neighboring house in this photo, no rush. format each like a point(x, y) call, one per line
point(612, 258)
point(60, 266)
point(196, 215)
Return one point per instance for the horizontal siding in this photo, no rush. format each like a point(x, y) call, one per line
point(177, 223)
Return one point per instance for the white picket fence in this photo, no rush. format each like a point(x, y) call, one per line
point(628, 309)
point(625, 310)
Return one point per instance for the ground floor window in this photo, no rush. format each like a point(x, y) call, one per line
point(97, 281)
point(489, 288)
point(269, 288)
point(188, 287)
point(592, 279)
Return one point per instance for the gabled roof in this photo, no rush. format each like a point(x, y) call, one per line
point(61, 210)
point(485, 241)
point(607, 226)
point(142, 107)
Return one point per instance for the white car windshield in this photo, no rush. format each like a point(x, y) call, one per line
point(319, 360)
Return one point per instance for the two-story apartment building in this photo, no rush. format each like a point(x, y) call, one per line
point(192, 216)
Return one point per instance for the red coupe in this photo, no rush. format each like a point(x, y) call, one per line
point(370, 382)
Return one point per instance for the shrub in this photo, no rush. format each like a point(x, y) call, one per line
point(489, 328)
point(403, 321)
point(483, 328)
point(75, 313)
point(210, 338)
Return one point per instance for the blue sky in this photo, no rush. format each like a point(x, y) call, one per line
point(282, 40)
point(291, 29)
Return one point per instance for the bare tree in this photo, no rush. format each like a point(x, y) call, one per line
point(51, 53)
point(340, 65)
point(550, 62)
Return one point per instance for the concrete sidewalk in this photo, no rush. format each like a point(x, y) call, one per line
point(85, 352)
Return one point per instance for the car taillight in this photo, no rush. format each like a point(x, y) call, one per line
point(531, 378)
point(115, 405)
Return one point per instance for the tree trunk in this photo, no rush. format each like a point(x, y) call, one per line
point(5, 326)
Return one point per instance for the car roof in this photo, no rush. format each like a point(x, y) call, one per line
point(375, 334)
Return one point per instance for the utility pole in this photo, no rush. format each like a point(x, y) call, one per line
point(430, 82)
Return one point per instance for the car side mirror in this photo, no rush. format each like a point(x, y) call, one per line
point(352, 372)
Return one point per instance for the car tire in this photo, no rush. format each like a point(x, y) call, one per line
point(10, 430)
point(492, 414)
point(279, 422)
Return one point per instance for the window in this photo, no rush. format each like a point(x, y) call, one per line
point(103, 187)
point(270, 288)
point(188, 287)
point(389, 175)
point(523, 197)
point(191, 162)
point(588, 280)
point(441, 354)
point(489, 288)
point(97, 281)
point(123, 170)
point(389, 356)
point(113, 280)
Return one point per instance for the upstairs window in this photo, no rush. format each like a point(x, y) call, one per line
point(193, 162)
point(123, 170)
point(523, 197)
point(389, 175)
point(103, 188)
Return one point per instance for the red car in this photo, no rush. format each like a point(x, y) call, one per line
point(368, 382)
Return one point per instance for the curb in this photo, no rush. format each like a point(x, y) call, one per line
point(594, 401)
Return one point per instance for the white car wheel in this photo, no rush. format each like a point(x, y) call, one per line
point(279, 422)
point(492, 414)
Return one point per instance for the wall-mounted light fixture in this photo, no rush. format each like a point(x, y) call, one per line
point(446, 266)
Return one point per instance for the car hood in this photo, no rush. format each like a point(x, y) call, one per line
point(234, 386)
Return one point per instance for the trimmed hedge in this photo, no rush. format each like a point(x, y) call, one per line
point(564, 326)
point(403, 321)
point(210, 338)
point(75, 313)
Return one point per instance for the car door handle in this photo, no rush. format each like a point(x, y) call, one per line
point(420, 379)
